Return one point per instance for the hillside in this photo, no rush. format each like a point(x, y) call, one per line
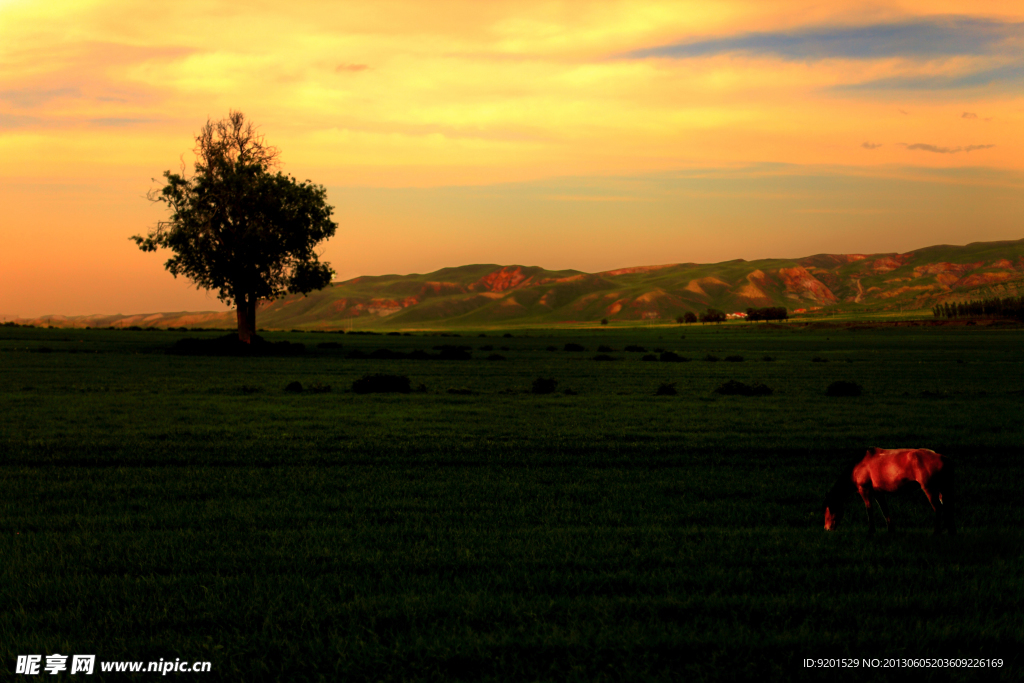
point(484, 295)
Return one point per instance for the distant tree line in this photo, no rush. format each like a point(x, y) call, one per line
point(1010, 307)
point(712, 315)
point(769, 313)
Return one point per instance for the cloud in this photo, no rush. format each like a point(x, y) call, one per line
point(1010, 74)
point(945, 150)
point(968, 115)
point(350, 67)
point(871, 145)
point(26, 98)
point(925, 38)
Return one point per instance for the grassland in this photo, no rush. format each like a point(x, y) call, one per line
point(161, 506)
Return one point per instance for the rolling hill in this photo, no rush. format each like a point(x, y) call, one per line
point(488, 295)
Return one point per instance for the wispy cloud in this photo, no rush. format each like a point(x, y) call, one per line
point(871, 145)
point(26, 98)
point(1006, 74)
point(350, 67)
point(945, 150)
point(925, 38)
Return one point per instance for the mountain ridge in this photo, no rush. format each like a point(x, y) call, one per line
point(494, 294)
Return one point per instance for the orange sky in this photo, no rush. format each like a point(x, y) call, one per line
point(587, 135)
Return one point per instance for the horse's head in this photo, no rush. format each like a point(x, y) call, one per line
point(833, 511)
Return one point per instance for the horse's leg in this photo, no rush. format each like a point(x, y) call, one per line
point(865, 495)
point(935, 500)
point(947, 495)
point(880, 499)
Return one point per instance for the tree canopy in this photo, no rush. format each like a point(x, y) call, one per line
point(237, 227)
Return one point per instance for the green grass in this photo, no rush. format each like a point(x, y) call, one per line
point(159, 506)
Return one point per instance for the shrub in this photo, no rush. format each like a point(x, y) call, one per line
point(768, 359)
point(671, 357)
point(604, 348)
point(507, 335)
point(842, 388)
point(488, 347)
point(689, 317)
point(379, 384)
point(650, 357)
point(573, 347)
point(819, 359)
point(552, 348)
point(603, 356)
point(633, 348)
point(666, 389)
point(711, 359)
point(734, 359)
point(544, 386)
point(604, 321)
point(734, 388)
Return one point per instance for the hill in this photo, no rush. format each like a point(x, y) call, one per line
point(488, 294)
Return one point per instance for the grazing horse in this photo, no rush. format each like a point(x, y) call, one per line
point(888, 470)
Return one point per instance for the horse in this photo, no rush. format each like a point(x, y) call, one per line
point(888, 470)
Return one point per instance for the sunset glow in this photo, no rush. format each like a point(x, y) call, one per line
point(586, 135)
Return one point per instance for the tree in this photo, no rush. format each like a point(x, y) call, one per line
point(238, 228)
point(712, 315)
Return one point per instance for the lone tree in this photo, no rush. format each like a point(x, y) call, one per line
point(238, 228)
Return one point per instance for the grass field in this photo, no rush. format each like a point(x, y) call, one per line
point(162, 506)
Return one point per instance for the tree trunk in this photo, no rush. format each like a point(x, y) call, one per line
point(245, 313)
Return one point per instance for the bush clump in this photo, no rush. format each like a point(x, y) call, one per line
point(650, 357)
point(711, 358)
point(633, 348)
point(819, 359)
point(381, 384)
point(734, 388)
point(734, 359)
point(544, 386)
point(295, 387)
point(671, 357)
point(604, 348)
point(843, 388)
point(666, 389)
point(574, 347)
point(604, 356)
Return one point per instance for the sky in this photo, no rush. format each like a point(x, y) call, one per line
point(581, 134)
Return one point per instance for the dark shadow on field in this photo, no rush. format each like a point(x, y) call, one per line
point(229, 345)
